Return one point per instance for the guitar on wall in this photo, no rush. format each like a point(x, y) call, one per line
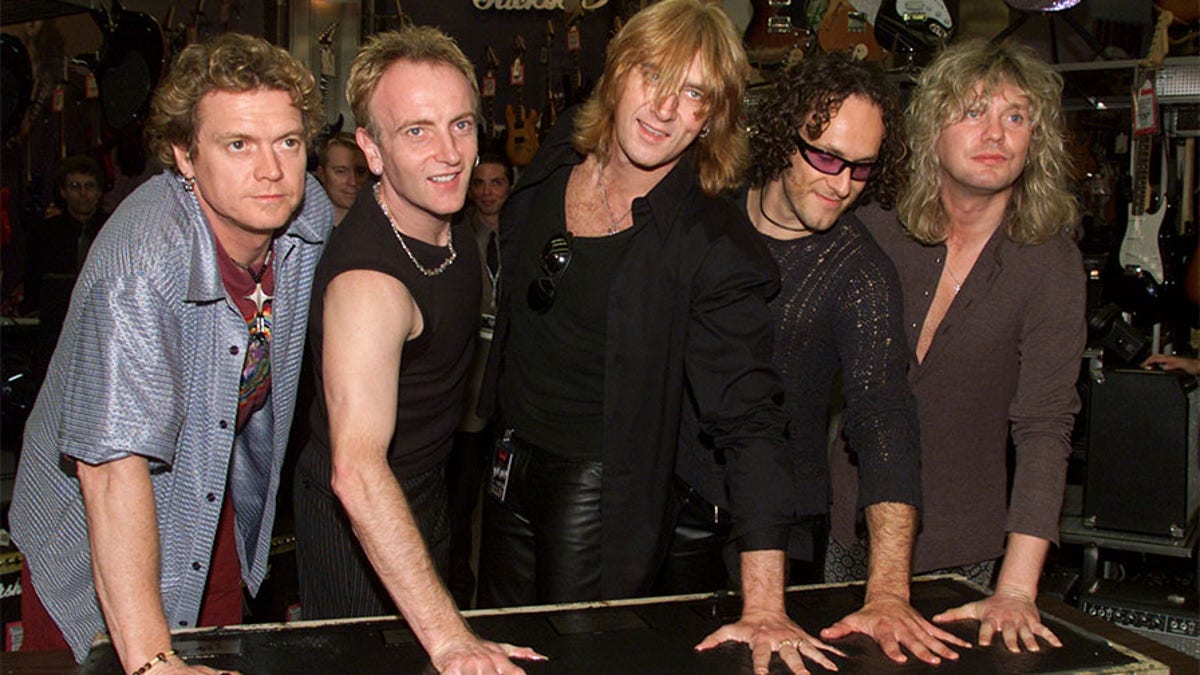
point(846, 28)
point(1139, 253)
point(487, 91)
point(550, 112)
point(521, 144)
point(922, 26)
point(774, 36)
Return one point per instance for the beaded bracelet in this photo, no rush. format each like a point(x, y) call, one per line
point(160, 657)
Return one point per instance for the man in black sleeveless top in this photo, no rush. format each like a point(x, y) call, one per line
point(397, 281)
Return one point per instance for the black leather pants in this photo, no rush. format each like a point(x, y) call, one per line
point(542, 543)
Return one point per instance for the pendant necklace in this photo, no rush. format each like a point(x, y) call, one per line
point(614, 224)
point(399, 237)
point(953, 277)
point(258, 297)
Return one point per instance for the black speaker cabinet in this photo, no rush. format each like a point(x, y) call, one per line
point(1143, 459)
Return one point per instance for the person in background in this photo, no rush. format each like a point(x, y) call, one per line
point(1186, 364)
point(395, 312)
point(491, 181)
point(61, 242)
point(145, 493)
point(342, 169)
point(994, 317)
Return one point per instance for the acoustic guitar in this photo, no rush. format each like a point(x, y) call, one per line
point(521, 144)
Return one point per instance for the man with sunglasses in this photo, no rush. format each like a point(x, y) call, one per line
point(827, 135)
point(630, 290)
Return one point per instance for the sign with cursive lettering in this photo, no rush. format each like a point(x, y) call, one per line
point(587, 5)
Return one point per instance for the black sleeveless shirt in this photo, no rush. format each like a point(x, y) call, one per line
point(433, 366)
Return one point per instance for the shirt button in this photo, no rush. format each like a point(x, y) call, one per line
point(914, 324)
point(196, 566)
point(926, 293)
point(210, 497)
point(233, 349)
point(223, 424)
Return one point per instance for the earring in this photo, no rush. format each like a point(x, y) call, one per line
point(189, 183)
point(476, 160)
point(704, 132)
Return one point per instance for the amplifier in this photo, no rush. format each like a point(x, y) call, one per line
point(1151, 608)
point(1143, 471)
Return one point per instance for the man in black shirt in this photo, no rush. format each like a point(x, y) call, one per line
point(625, 280)
point(829, 134)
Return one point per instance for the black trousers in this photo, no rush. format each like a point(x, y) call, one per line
point(464, 478)
point(542, 543)
point(336, 577)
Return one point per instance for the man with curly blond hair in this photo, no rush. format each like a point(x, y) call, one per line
point(145, 495)
point(994, 317)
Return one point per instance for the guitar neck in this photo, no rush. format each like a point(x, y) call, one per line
point(1140, 165)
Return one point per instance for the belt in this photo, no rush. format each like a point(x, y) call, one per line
point(692, 498)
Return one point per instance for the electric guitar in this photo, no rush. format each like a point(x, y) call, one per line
point(522, 141)
point(1139, 252)
point(844, 28)
point(913, 25)
point(550, 114)
point(774, 32)
point(487, 91)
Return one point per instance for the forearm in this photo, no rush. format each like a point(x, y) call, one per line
point(762, 581)
point(1023, 559)
point(385, 527)
point(892, 527)
point(123, 534)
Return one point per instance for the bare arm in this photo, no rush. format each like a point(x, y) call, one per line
point(765, 625)
point(123, 534)
point(368, 318)
point(886, 615)
point(1011, 610)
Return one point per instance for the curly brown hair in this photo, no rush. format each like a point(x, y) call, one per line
point(226, 62)
point(808, 95)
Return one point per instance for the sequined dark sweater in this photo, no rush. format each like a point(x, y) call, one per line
point(839, 310)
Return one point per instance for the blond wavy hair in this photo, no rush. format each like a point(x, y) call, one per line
point(668, 35)
point(962, 78)
point(226, 62)
point(418, 44)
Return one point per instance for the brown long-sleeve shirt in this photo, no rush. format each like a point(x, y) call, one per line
point(1004, 359)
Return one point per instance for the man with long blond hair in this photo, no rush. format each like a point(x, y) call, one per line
point(395, 311)
point(629, 290)
point(146, 492)
point(994, 315)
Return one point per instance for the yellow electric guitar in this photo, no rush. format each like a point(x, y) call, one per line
point(521, 144)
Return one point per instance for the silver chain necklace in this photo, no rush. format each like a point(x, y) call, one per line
point(400, 238)
point(614, 225)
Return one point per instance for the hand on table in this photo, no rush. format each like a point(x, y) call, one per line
point(893, 623)
point(768, 632)
point(1011, 613)
point(472, 655)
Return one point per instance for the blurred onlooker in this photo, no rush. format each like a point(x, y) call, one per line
point(60, 244)
point(342, 169)
point(491, 181)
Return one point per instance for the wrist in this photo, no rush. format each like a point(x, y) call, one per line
point(1015, 591)
point(159, 659)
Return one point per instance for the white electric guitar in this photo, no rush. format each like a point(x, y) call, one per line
point(1139, 250)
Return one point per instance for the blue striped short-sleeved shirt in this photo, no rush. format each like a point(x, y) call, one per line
point(149, 363)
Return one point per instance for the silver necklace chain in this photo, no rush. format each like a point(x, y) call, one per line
point(953, 277)
point(400, 238)
point(614, 224)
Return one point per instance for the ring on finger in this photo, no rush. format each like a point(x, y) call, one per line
point(785, 643)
